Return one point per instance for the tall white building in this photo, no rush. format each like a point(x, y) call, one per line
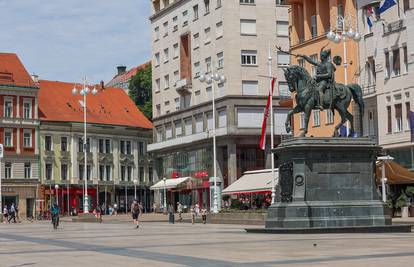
point(232, 37)
point(386, 56)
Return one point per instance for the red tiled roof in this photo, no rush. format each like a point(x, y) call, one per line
point(12, 71)
point(128, 74)
point(111, 106)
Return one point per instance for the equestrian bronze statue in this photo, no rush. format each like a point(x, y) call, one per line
point(321, 92)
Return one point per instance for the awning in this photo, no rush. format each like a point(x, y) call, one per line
point(169, 183)
point(252, 182)
point(395, 173)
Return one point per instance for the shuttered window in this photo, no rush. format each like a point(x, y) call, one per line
point(249, 118)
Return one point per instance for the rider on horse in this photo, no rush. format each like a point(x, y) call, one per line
point(325, 75)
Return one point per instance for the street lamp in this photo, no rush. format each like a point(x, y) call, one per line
point(210, 78)
point(57, 195)
point(343, 32)
point(135, 188)
point(165, 194)
point(83, 92)
point(384, 159)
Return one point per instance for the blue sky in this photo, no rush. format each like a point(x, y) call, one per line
point(67, 39)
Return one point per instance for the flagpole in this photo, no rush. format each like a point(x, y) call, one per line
point(272, 156)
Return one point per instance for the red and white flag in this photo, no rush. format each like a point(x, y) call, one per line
point(266, 115)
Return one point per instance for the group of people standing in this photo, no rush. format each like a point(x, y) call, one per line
point(11, 214)
point(195, 212)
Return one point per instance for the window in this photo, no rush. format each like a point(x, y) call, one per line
point(157, 33)
point(405, 59)
point(81, 145)
point(282, 28)
point(218, 4)
point(398, 118)
point(370, 68)
point(122, 146)
point(108, 172)
point(175, 27)
point(387, 64)
point(177, 103)
point(101, 147)
point(407, 110)
point(247, 27)
point(302, 120)
point(27, 170)
point(63, 143)
point(150, 174)
point(48, 171)
point(248, 117)
point(314, 29)
point(219, 29)
point(246, 1)
point(196, 40)
point(250, 88)
point(129, 173)
point(141, 174)
point(221, 90)
point(220, 60)
point(396, 62)
point(27, 139)
point(178, 128)
point(301, 63)
point(128, 147)
point(329, 116)
point(107, 146)
point(8, 138)
point(207, 38)
point(208, 64)
point(210, 122)
point(199, 124)
point(157, 85)
point(88, 172)
point(175, 51)
point(195, 10)
point(64, 171)
point(8, 108)
point(101, 172)
point(81, 171)
point(166, 55)
point(141, 149)
point(340, 10)
point(48, 143)
point(389, 130)
point(166, 81)
point(157, 59)
point(207, 6)
point(168, 132)
point(406, 5)
point(209, 93)
point(176, 76)
point(248, 58)
point(188, 126)
point(222, 118)
point(284, 89)
point(123, 170)
point(316, 118)
point(27, 109)
point(283, 59)
point(159, 135)
point(165, 25)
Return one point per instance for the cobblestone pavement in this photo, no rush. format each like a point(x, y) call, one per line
point(163, 244)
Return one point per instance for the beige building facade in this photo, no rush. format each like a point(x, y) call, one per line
point(231, 38)
point(387, 76)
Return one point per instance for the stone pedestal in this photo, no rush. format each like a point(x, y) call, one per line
point(327, 183)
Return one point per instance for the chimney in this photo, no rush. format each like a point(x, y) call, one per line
point(102, 85)
point(35, 78)
point(121, 69)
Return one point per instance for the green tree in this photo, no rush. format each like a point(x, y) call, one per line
point(140, 90)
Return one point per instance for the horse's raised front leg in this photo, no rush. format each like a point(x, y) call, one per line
point(288, 125)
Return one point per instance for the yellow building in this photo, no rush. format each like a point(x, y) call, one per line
point(310, 20)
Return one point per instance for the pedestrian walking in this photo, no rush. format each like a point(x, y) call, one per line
point(136, 209)
point(204, 215)
point(5, 214)
point(180, 211)
point(197, 210)
point(12, 213)
point(193, 214)
point(171, 213)
point(154, 207)
point(115, 209)
point(54, 212)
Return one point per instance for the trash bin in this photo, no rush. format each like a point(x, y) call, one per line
point(171, 218)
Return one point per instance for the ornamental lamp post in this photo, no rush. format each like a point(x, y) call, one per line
point(210, 78)
point(135, 188)
point(384, 159)
point(165, 195)
point(83, 92)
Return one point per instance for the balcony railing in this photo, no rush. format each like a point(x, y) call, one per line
point(368, 90)
point(183, 86)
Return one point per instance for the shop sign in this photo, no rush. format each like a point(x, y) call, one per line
point(5, 189)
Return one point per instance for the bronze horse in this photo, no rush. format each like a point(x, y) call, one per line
point(304, 85)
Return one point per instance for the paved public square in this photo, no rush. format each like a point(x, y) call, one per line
point(162, 244)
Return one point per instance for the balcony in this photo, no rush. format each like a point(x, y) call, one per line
point(394, 26)
point(368, 90)
point(183, 86)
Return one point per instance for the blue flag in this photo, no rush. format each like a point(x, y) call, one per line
point(369, 22)
point(385, 6)
point(411, 118)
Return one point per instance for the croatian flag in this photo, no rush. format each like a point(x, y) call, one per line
point(385, 6)
point(370, 11)
point(411, 118)
point(266, 115)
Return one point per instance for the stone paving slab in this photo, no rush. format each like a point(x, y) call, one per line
point(163, 244)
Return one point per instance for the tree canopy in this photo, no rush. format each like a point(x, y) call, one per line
point(140, 90)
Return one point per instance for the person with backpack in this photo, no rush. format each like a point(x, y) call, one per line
point(135, 211)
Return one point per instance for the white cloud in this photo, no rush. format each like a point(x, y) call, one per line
point(65, 40)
